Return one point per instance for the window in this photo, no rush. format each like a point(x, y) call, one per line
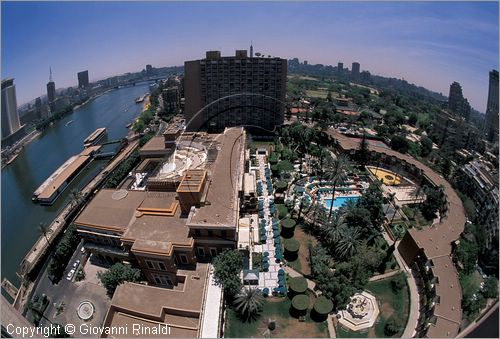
point(201, 251)
point(213, 251)
point(224, 234)
point(150, 264)
point(197, 233)
point(162, 266)
point(184, 259)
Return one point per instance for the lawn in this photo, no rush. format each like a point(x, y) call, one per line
point(317, 93)
point(416, 219)
point(389, 303)
point(277, 310)
point(302, 263)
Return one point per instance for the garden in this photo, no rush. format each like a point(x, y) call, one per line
point(392, 295)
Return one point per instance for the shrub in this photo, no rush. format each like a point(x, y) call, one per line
point(291, 245)
point(298, 284)
point(323, 306)
point(271, 326)
point(398, 282)
point(393, 325)
point(300, 302)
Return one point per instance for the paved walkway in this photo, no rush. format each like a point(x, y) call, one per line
point(267, 279)
point(211, 313)
point(331, 327)
point(384, 276)
point(409, 331)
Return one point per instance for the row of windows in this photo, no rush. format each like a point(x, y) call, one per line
point(162, 279)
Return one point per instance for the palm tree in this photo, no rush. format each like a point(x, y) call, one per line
point(248, 302)
point(442, 203)
point(76, 197)
point(416, 193)
point(390, 197)
point(349, 242)
point(396, 209)
point(333, 228)
point(337, 174)
point(43, 229)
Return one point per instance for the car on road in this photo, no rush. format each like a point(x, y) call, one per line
point(82, 250)
point(70, 274)
point(76, 263)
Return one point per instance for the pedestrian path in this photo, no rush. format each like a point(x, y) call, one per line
point(384, 276)
point(411, 325)
point(267, 279)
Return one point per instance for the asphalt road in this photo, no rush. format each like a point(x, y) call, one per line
point(60, 291)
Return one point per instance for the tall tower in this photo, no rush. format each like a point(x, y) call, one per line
point(491, 119)
point(51, 92)
point(10, 116)
point(251, 50)
point(355, 69)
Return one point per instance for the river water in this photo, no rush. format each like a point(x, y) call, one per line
point(39, 159)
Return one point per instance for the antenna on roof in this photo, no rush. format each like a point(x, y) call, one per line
point(50, 70)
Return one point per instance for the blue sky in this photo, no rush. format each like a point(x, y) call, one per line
point(430, 44)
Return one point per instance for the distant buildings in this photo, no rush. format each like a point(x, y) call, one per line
point(491, 119)
point(234, 91)
point(355, 69)
point(451, 133)
point(83, 80)
point(457, 104)
point(340, 68)
point(10, 116)
point(479, 180)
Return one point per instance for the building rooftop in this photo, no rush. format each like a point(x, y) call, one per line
point(66, 170)
point(156, 143)
point(179, 308)
point(192, 181)
point(111, 209)
point(221, 203)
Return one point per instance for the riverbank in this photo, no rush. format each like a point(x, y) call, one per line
point(39, 249)
point(14, 152)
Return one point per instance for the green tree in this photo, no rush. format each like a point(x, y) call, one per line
point(248, 303)
point(363, 152)
point(75, 197)
point(466, 253)
point(393, 325)
point(426, 148)
point(118, 274)
point(349, 243)
point(490, 289)
point(336, 173)
point(400, 144)
point(398, 282)
point(43, 228)
point(227, 268)
point(332, 228)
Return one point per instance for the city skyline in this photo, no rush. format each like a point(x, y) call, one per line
point(414, 41)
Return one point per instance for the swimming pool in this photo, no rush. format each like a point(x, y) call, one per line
point(339, 201)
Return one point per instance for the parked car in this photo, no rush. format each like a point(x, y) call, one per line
point(82, 250)
point(70, 274)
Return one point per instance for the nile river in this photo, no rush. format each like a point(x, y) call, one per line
point(20, 216)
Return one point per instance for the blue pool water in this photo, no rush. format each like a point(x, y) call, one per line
point(339, 201)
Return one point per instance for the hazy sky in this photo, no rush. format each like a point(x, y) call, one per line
point(429, 44)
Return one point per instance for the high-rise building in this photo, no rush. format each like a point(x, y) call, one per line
point(355, 69)
point(234, 91)
point(10, 116)
point(83, 80)
point(491, 119)
point(251, 50)
point(340, 68)
point(51, 93)
point(149, 70)
point(457, 104)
